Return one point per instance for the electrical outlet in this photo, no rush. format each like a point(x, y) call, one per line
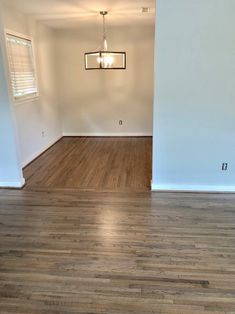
point(224, 166)
point(120, 122)
point(43, 133)
point(145, 10)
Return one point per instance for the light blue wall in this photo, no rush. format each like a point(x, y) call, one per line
point(194, 109)
point(10, 170)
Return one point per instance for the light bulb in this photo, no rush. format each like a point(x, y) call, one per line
point(106, 61)
point(99, 59)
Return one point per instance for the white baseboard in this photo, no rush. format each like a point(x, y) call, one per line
point(108, 134)
point(40, 151)
point(13, 184)
point(194, 188)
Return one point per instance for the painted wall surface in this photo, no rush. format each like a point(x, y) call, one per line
point(194, 111)
point(10, 169)
point(42, 114)
point(93, 102)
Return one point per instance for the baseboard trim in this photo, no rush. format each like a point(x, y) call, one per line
point(194, 188)
point(40, 152)
point(13, 184)
point(107, 134)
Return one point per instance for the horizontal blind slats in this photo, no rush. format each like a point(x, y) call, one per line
point(21, 66)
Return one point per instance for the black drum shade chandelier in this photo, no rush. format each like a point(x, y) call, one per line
point(105, 59)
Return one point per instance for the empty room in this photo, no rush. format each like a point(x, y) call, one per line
point(117, 149)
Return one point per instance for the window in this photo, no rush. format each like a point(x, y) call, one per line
point(21, 67)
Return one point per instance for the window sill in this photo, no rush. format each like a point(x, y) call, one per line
point(25, 100)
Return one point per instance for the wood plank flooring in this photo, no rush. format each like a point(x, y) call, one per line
point(93, 163)
point(73, 251)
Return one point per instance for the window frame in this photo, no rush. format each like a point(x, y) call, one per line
point(24, 98)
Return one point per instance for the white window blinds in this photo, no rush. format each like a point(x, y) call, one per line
point(21, 66)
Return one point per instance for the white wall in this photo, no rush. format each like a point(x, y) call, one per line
point(10, 170)
point(194, 114)
point(42, 114)
point(93, 102)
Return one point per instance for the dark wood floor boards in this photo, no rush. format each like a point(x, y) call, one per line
point(74, 251)
point(93, 163)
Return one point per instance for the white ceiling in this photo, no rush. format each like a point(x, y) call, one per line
point(71, 13)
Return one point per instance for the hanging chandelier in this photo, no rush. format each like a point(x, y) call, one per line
point(104, 59)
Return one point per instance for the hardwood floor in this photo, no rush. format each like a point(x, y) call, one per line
point(73, 251)
point(93, 163)
point(68, 244)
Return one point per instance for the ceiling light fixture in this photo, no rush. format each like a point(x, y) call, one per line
point(105, 59)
